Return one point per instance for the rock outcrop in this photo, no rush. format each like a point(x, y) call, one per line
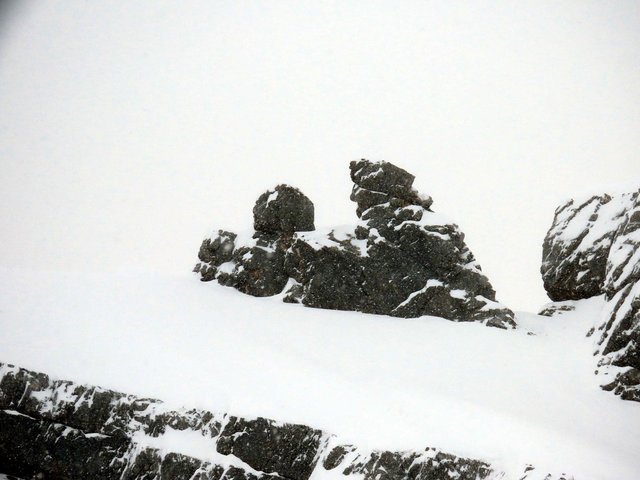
point(400, 259)
point(593, 248)
point(557, 308)
point(255, 264)
point(55, 429)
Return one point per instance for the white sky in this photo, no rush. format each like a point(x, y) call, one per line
point(128, 130)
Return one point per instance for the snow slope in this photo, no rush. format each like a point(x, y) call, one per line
point(507, 397)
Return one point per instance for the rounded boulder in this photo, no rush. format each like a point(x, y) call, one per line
point(283, 209)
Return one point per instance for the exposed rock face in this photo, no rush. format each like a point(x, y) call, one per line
point(619, 343)
point(593, 248)
point(400, 259)
point(60, 430)
point(378, 465)
point(63, 430)
point(287, 450)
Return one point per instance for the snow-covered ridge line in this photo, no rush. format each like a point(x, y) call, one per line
point(57, 428)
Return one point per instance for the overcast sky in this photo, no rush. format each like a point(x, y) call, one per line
point(128, 130)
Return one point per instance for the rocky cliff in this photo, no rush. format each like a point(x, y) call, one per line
point(399, 259)
point(55, 429)
point(593, 248)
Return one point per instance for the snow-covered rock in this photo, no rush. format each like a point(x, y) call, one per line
point(593, 248)
point(376, 183)
point(618, 340)
point(400, 259)
point(255, 264)
point(557, 308)
point(59, 429)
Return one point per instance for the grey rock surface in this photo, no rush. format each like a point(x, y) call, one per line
point(54, 429)
point(400, 259)
point(593, 248)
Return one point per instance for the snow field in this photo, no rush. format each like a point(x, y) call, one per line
point(508, 397)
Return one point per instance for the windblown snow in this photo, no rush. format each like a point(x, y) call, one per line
point(508, 397)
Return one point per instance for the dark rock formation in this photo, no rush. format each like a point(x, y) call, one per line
point(255, 265)
point(376, 183)
point(283, 209)
point(380, 465)
point(29, 446)
point(251, 265)
point(59, 430)
point(619, 343)
point(288, 450)
point(574, 261)
point(593, 248)
point(400, 259)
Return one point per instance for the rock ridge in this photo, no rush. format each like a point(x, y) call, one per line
point(56, 429)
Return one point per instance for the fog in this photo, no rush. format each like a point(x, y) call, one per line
point(129, 130)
